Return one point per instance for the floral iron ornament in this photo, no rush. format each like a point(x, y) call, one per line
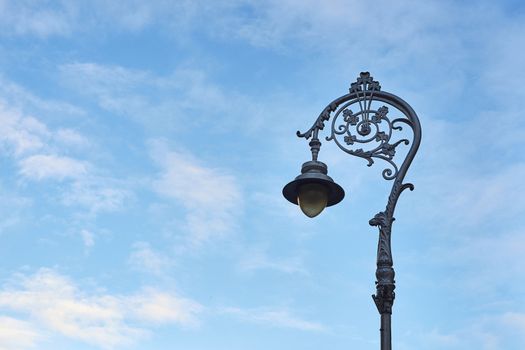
point(362, 126)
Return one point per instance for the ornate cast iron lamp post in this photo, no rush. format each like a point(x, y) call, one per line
point(371, 127)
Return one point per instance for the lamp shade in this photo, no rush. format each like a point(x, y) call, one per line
point(313, 190)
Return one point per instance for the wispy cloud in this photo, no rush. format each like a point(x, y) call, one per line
point(144, 258)
point(97, 194)
point(160, 307)
point(39, 154)
point(280, 318)
point(65, 18)
point(20, 134)
point(88, 238)
point(28, 18)
point(258, 259)
point(486, 332)
point(211, 196)
point(71, 138)
point(17, 335)
point(186, 95)
point(21, 98)
point(53, 302)
point(41, 166)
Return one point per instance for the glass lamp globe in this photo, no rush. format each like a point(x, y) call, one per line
point(312, 198)
point(313, 190)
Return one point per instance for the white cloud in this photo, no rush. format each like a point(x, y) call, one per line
point(21, 134)
point(98, 194)
point(70, 137)
point(279, 318)
point(64, 18)
point(17, 335)
point(115, 88)
point(144, 258)
point(56, 303)
point(19, 97)
point(306, 23)
point(186, 95)
point(211, 196)
point(258, 259)
point(31, 142)
point(104, 80)
point(161, 307)
point(52, 301)
point(34, 18)
point(41, 166)
point(88, 238)
point(38, 151)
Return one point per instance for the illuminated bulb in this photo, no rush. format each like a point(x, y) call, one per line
point(312, 198)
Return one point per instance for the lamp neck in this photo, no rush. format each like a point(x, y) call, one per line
point(315, 147)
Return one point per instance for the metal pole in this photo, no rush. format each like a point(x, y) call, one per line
point(385, 283)
point(386, 334)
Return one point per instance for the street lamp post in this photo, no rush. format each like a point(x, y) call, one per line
point(368, 133)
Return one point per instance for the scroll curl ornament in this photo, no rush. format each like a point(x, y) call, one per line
point(369, 131)
point(361, 126)
point(368, 127)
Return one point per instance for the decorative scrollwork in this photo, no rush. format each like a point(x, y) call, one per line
point(361, 126)
point(368, 126)
point(319, 123)
point(366, 133)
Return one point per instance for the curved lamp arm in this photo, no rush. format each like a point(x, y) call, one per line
point(362, 129)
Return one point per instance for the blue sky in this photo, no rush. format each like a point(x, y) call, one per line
point(144, 146)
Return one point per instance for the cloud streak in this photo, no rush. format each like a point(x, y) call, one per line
point(146, 259)
point(17, 335)
point(53, 302)
point(184, 96)
point(39, 154)
point(42, 166)
point(279, 318)
point(258, 259)
point(211, 196)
